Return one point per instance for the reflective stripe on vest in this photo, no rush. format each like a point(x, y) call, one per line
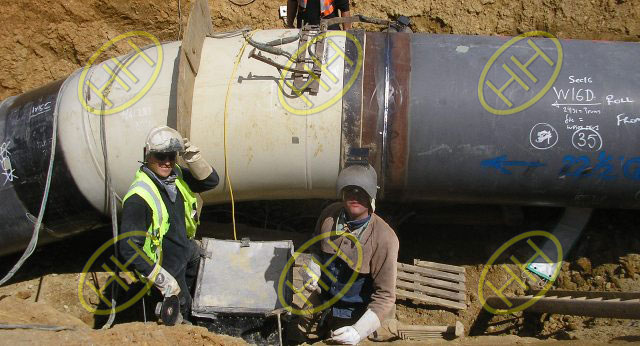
point(144, 187)
point(157, 202)
point(191, 218)
point(326, 6)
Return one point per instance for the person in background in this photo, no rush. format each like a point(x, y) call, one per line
point(311, 11)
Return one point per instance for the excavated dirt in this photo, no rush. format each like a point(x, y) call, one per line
point(606, 258)
point(45, 41)
point(16, 311)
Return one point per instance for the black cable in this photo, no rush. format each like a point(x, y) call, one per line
point(270, 47)
point(110, 196)
point(311, 53)
point(241, 3)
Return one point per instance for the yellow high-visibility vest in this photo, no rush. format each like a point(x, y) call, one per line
point(144, 187)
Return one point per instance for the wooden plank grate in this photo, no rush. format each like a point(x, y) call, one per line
point(432, 283)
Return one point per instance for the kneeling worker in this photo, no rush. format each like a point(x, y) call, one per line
point(370, 298)
point(161, 201)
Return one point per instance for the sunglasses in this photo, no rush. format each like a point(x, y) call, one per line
point(165, 156)
point(354, 192)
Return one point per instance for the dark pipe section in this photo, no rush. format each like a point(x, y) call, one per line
point(546, 123)
point(26, 122)
point(578, 145)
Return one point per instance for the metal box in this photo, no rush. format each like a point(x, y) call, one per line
point(237, 288)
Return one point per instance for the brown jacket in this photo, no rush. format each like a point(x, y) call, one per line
point(379, 255)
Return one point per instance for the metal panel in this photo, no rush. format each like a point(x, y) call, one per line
point(241, 279)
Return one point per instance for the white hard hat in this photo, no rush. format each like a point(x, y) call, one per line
point(362, 176)
point(163, 139)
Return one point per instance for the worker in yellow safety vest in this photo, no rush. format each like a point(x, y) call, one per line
point(311, 11)
point(162, 202)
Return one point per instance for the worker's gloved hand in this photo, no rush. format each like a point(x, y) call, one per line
point(312, 272)
point(202, 250)
point(165, 282)
point(345, 336)
point(351, 335)
point(197, 164)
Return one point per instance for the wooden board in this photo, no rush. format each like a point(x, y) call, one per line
point(198, 27)
point(186, 81)
point(432, 283)
point(430, 300)
point(431, 272)
point(436, 292)
point(438, 266)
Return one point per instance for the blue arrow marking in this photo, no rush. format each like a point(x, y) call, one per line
point(500, 163)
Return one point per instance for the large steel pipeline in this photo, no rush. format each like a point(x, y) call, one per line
point(527, 120)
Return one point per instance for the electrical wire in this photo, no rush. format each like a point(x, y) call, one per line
point(226, 116)
point(241, 3)
point(310, 51)
point(111, 196)
point(232, 33)
point(270, 47)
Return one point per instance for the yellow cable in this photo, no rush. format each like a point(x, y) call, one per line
point(226, 112)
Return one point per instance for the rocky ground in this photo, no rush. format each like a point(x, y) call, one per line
point(607, 258)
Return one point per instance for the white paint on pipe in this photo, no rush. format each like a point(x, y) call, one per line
point(80, 134)
point(273, 154)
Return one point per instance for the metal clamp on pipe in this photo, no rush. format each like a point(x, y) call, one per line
point(258, 56)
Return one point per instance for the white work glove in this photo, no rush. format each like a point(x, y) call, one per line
point(345, 336)
point(165, 282)
point(352, 335)
point(197, 164)
point(312, 271)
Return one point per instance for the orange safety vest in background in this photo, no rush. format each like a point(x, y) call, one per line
point(326, 6)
